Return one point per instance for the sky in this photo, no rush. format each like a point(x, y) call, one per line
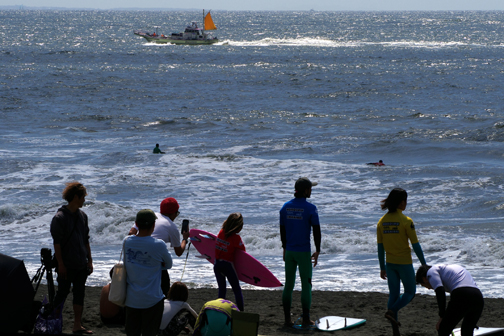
point(318, 5)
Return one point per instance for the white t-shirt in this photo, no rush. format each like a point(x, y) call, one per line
point(166, 230)
point(171, 308)
point(450, 277)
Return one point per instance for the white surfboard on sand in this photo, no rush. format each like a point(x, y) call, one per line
point(331, 323)
point(481, 331)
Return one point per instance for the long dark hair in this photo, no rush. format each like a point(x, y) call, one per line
point(233, 224)
point(396, 196)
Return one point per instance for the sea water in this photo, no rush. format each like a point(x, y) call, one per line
point(282, 95)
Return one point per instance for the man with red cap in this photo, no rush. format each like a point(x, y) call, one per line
point(168, 232)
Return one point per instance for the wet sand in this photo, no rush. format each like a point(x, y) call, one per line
point(417, 319)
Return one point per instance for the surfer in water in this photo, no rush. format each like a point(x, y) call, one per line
point(379, 163)
point(466, 300)
point(393, 232)
point(227, 242)
point(157, 150)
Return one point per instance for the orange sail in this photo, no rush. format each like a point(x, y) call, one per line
point(209, 24)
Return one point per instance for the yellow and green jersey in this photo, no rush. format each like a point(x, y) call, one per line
point(393, 231)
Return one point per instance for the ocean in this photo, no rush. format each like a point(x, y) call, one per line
point(282, 95)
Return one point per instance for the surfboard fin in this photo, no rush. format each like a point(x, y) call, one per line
point(195, 239)
point(256, 279)
point(203, 256)
point(207, 236)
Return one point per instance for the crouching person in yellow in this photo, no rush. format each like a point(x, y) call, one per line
point(144, 259)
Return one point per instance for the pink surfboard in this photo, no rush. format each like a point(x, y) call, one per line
point(248, 268)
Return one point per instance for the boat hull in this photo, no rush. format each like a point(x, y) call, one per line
point(182, 41)
point(188, 42)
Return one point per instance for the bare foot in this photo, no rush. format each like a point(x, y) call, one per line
point(288, 324)
point(82, 331)
point(308, 323)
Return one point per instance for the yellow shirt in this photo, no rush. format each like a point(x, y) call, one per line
point(393, 231)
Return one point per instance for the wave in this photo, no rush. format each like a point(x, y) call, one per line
point(110, 223)
point(324, 42)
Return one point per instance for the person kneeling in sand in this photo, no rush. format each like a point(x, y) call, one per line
point(110, 313)
point(214, 318)
point(466, 300)
point(177, 312)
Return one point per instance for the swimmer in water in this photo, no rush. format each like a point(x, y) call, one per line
point(379, 163)
point(157, 150)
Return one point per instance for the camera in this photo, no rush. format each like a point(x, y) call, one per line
point(46, 258)
point(185, 226)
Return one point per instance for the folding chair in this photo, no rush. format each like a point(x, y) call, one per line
point(244, 324)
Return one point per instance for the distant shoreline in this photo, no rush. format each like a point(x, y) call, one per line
point(143, 9)
point(21, 7)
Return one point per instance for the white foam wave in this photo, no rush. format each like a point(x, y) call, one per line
point(323, 42)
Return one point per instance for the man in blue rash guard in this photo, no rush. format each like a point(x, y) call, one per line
point(297, 217)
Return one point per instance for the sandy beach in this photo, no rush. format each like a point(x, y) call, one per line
point(417, 319)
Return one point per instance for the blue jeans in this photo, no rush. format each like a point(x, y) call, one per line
point(225, 269)
point(395, 275)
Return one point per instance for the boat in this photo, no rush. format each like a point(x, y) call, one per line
point(192, 35)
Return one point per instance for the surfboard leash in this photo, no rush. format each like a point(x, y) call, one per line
point(187, 256)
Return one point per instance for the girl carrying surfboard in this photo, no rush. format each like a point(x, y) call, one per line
point(227, 242)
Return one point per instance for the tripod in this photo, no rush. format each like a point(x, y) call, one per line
point(47, 263)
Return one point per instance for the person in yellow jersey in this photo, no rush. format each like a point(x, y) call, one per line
point(394, 254)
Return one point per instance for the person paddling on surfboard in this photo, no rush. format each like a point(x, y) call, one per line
point(227, 242)
point(379, 163)
point(393, 232)
point(297, 218)
point(466, 300)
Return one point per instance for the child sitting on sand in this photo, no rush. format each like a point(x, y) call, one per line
point(177, 313)
point(226, 244)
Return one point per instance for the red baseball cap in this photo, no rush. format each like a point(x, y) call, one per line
point(169, 205)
